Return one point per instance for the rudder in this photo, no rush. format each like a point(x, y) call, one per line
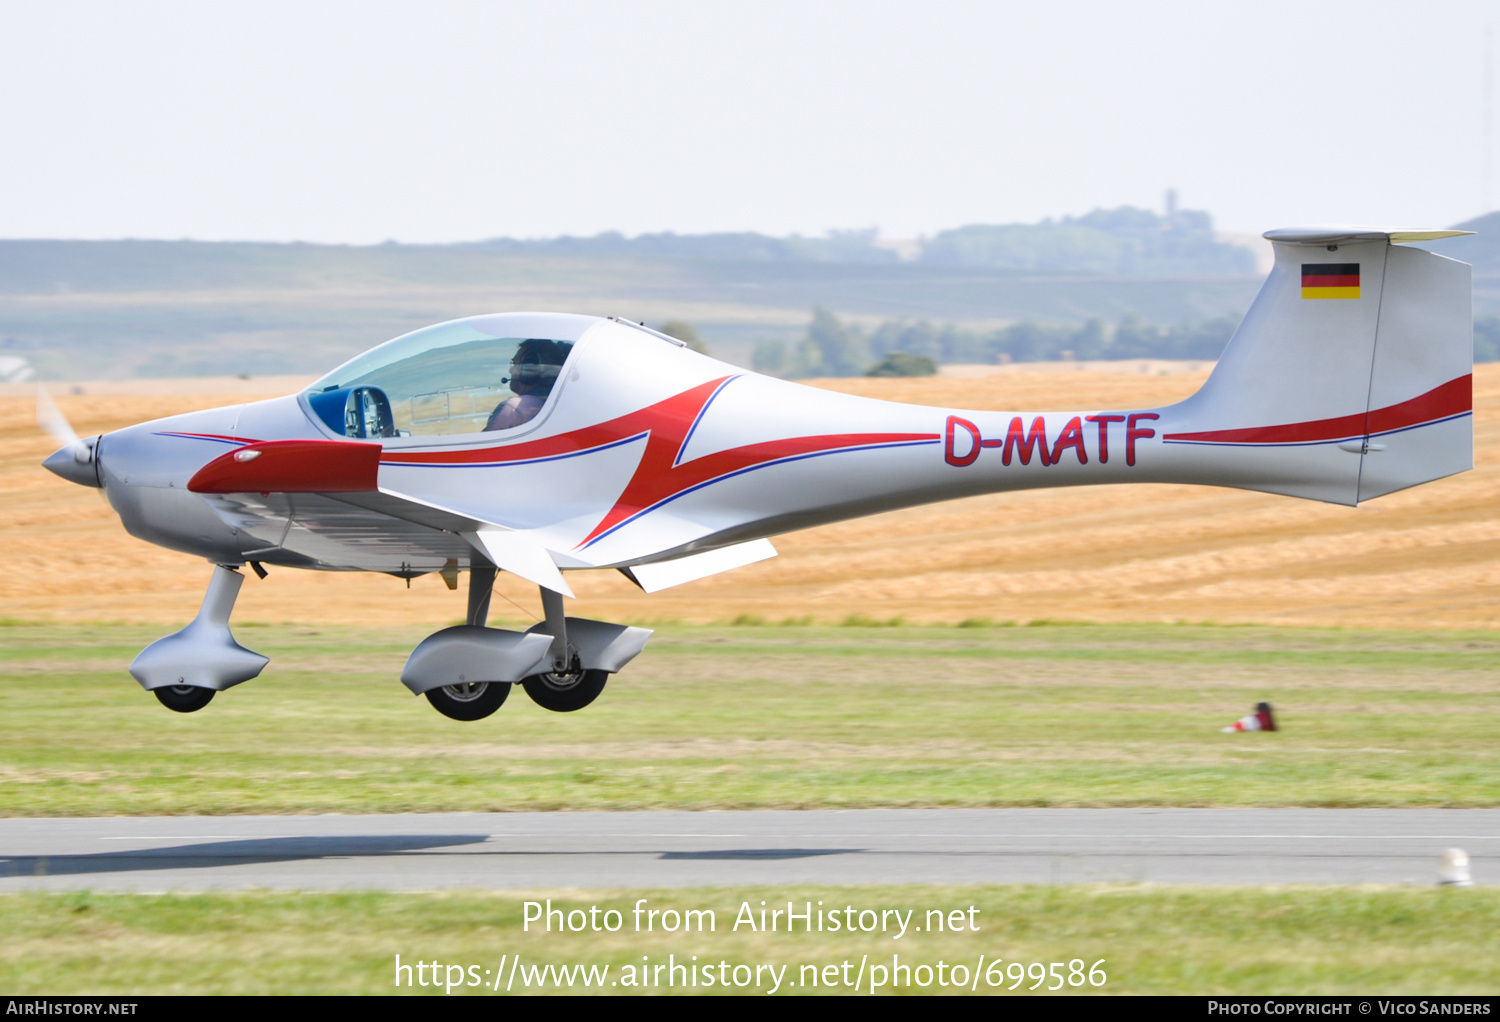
point(1419, 425)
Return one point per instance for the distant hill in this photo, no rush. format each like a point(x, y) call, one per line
point(1118, 242)
point(91, 309)
point(1111, 283)
point(836, 247)
point(1123, 242)
point(150, 308)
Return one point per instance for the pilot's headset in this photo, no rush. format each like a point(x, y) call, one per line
point(533, 365)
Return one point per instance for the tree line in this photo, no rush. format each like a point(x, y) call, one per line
point(899, 347)
point(1126, 241)
point(837, 347)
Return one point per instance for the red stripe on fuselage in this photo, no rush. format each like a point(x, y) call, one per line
point(1449, 399)
point(666, 425)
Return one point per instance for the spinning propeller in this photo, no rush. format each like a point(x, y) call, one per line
point(74, 461)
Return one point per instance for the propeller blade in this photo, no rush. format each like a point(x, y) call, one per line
point(51, 419)
point(74, 460)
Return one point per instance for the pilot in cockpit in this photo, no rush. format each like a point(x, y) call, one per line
point(533, 372)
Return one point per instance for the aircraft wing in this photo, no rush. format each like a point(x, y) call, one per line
point(347, 531)
point(318, 503)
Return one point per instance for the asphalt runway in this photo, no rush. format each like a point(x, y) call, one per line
point(534, 851)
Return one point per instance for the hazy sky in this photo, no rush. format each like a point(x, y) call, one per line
point(438, 121)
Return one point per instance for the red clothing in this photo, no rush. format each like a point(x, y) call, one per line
point(514, 411)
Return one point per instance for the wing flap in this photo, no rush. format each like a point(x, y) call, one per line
point(665, 574)
point(521, 555)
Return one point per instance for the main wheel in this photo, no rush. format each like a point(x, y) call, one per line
point(474, 700)
point(565, 691)
point(183, 698)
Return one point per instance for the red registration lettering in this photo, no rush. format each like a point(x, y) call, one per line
point(1132, 434)
point(1015, 438)
point(950, 447)
point(1071, 436)
point(1104, 421)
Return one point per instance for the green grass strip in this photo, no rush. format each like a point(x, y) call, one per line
point(794, 716)
point(1169, 940)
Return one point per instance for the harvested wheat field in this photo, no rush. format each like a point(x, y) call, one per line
point(1425, 558)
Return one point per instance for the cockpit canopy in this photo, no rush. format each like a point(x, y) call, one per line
point(468, 376)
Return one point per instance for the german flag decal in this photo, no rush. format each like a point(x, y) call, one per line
point(1330, 280)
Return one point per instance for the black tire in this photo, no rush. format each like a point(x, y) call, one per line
point(475, 700)
point(184, 698)
point(564, 693)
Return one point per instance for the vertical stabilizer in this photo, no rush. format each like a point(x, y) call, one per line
point(1350, 376)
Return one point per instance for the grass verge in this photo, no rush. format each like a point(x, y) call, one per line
point(1165, 940)
point(773, 716)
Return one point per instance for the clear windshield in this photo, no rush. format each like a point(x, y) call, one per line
point(453, 378)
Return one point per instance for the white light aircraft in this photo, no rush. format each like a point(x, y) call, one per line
point(541, 443)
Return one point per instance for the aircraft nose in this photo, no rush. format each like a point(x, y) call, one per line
point(75, 462)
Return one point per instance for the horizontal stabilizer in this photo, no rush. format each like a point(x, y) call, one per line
point(1333, 234)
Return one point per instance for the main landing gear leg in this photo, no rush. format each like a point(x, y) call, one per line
point(473, 700)
point(567, 686)
point(481, 588)
point(557, 624)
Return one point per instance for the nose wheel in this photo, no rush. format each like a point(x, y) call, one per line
point(183, 698)
point(474, 700)
point(565, 691)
